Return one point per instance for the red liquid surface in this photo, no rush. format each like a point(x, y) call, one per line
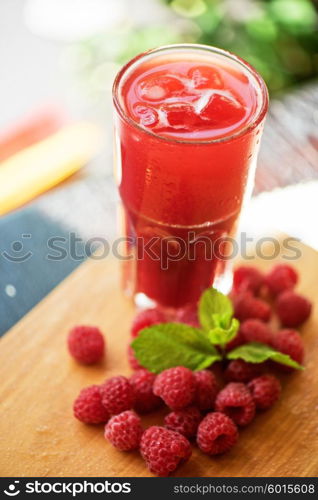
point(192, 191)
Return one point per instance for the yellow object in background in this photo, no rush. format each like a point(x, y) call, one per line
point(37, 168)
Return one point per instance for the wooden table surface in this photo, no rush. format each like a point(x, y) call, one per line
point(39, 381)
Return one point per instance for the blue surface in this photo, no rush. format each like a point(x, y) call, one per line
point(29, 269)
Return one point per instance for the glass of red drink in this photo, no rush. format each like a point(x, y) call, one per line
point(188, 121)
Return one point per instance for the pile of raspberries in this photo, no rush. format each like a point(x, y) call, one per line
point(200, 408)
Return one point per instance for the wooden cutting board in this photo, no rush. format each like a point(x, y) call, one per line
point(39, 381)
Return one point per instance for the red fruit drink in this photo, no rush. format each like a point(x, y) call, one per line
point(187, 128)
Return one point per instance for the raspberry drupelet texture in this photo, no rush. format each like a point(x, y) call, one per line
point(132, 360)
point(255, 330)
point(241, 371)
point(176, 386)
point(124, 431)
point(184, 421)
point(236, 401)
point(292, 309)
point(163, 450)
point(146, 318)
point(117, 395)
point(247, 279)
point(86, 344)
point(188, 315)
point(247, 306)
point(265, 391)
point(206, 389)
point(289, 342)
point(88, 407)
point(142, 382)
point(235, 342)
point(217, 433)
point(281, 277)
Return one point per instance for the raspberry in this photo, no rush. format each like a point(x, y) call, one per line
point(217, 433)
point(184, 421)
point(163, 450)
point(289, 342)
point(246, 306)
point(188, 315)
point(176, 386)
point(132, 360)
point(124, 431)
point(235, 400)
point(241, 371)
point(265, 391)
point(88, 406)
point(282, 277)
point(142, 382)
point(146, 318)
point(254, 330)
point(235, 342)
point(117, 395)
point(292, 309)
point(247, 279)
point(206, 389)
point(86, 344)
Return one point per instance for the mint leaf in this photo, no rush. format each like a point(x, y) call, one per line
point(221, 320)
point(215, 310)
point(215, 314)
point(172, 344)
point(221, 336)
point(256, 352)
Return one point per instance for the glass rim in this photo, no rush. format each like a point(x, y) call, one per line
point(256, 118)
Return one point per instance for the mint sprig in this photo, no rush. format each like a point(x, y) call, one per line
point(172, 344)
point(165, 345)
point(222, 336)
point(216, 317)
point(215, 309)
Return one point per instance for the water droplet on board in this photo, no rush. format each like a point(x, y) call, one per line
point(10, 290)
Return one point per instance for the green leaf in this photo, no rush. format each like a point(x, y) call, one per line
point(172, 344)
point(222, 320)
point(189, 8)
point(256, 352)
point(298, 13)
point(215, 310)
point(221, 336)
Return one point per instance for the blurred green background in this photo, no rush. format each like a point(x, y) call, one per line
point(278, 37)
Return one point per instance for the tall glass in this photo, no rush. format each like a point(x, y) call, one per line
point(182, 187)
